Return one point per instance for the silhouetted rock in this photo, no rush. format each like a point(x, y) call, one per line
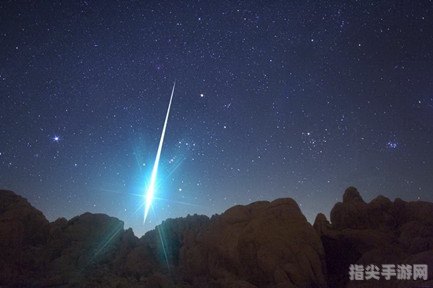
point(379, 232)
point(76, 246)
point(263, 244)
point(321, 224)
point(23, 234)
point(260, 245)
point(352, 195)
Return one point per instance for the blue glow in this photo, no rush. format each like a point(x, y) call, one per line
point(151, 189)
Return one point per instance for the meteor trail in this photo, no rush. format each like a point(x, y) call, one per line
point(151, 189)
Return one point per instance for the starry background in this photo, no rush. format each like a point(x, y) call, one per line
point(273, 99)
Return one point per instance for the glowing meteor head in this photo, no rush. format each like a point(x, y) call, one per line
point(149, 199)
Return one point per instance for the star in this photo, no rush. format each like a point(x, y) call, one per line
point(294, 104)
point(392, 145)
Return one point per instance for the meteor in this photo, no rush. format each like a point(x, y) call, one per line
point(151, 189)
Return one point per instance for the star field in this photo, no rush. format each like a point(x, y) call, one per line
point(292, 99)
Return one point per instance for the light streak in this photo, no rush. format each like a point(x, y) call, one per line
point(151, 188)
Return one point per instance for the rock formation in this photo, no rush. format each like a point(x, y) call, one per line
point(262, 245)
point(23, 235)
point(379, 232)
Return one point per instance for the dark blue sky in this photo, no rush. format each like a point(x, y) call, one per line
point(273, 99)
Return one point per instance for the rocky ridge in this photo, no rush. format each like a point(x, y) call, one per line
point(263, 244)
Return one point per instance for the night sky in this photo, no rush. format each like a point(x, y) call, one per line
point(273, 99)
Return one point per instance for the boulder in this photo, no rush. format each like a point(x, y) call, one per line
point(76, 246)
point(264, 244)
point(260, 245)
point(378, 232)
point(23, 233)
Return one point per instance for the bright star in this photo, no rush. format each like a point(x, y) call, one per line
point(56, 138)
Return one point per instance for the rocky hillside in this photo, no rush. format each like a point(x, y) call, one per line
point(264, 244)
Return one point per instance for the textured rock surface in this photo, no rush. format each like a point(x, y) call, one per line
point(379, 232)
point(264, 244)
point(261, 245)
point(75, 246)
